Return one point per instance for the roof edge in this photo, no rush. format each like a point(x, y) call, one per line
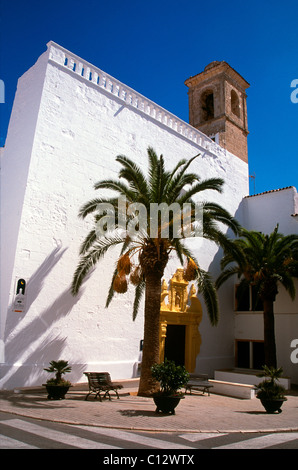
point(270, 191)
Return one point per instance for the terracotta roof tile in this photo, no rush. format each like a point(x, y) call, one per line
point(268, 192)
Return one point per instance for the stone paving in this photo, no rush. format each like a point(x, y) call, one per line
point(195, 413)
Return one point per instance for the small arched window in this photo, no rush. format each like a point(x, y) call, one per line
point(235, 103)
point(207, 104)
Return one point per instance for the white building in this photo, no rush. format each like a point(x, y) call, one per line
point(263, 212)
point(69, 122)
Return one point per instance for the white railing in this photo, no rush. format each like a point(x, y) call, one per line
point(97, 77)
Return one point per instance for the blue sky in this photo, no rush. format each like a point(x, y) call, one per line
point(154, 46)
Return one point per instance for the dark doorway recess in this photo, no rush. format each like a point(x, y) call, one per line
point(175, 344)
point(250, 354)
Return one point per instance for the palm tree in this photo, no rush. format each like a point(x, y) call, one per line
point(60, 368)
point(264, 262)
point(144, 256)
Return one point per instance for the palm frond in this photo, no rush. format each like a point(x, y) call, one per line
point(153, 162)
point(92, 206)
point(288, 282)
point(158, 180)
point(207, 288)
point(177, 181)
point(176, 189)
point(117, 186)
point(214, 184)
point(139, 292)
point(88, 242)
point(225, 275)
point(111, 291)
point(90, 259)
point(134, 176)
point(214, 212)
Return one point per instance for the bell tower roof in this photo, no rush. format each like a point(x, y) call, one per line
point(217, 106)
point(215, 68)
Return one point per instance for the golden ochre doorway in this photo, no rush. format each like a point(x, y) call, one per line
point(179, 336)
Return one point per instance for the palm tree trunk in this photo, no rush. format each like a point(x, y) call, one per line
point(269, 334)
point(148, 385)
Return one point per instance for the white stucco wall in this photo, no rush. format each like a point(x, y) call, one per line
point(15, 162)
point(264, 211)
point(65, 132)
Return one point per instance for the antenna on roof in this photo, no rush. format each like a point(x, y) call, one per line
point(253, 176)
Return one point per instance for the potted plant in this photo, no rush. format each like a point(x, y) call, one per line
point(58, 387)
point(271, 394)
point(171, 379)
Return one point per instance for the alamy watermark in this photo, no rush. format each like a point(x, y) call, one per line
point(161, 221)
point(294, 353)
point(294, 94)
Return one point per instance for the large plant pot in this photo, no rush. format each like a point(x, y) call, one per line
point(166, 404)
point(57, 392)
point(272, 405)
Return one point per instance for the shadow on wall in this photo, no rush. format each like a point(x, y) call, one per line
point(34, 287)
point(30, 371)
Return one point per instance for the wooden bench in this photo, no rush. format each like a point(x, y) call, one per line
point(100, 382)
point(198, 382)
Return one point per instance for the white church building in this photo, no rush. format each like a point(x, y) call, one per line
point(69, 122)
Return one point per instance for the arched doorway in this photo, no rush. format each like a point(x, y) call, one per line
point(180, 339)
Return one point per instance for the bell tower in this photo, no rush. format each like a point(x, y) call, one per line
point(217, 106)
